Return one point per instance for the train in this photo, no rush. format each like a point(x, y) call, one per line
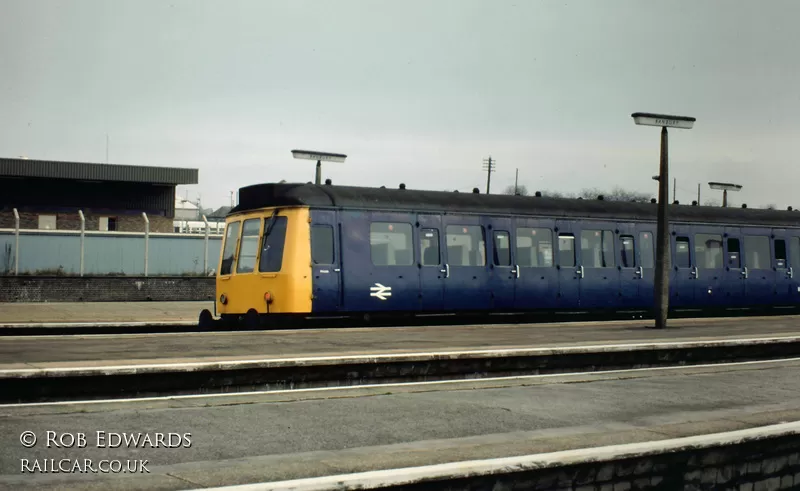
point(306, 252)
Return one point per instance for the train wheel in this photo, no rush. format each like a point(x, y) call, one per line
point(206, 321)
point(252, 320)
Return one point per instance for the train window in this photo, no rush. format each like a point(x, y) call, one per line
point(627, 254)
point(429, 247)
point(248, 247)
point(566, 250)
point(390, 244)
point(683, 257)
point(271, 259)
point(756, 252)
point(646, 248)
point(795, 253)
point(232, 233)
point(322, 244)
point(708, 251)
point(466, 245)
point(535, 247)
point(734, 254)
point(780, 253)
point(502, 248)
point(597, 249)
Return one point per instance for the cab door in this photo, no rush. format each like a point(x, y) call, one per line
point(325, 265)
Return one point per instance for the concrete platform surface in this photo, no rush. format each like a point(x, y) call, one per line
point(13, 313)
point(113, 350)
point(264, 437)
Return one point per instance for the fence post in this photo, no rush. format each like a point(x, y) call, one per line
point(83, 231)
point(146, 240)
point(16, 242)
point(205, 246)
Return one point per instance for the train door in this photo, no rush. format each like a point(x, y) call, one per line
point(598, 266)
point(758, 273)
point(733, 284)
point(537, 281)
point(325, 265)
point(630, 268)
point(684, 271)
point(783, 279)
point(569, 271)
point(794, 268)
point(646, 254)
point(466, 285)
point(708, 252)
point(432, 273)
point(503, 270)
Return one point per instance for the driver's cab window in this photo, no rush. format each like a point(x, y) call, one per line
point(229, 250)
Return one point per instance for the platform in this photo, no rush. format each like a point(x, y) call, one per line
point(115, 350)
point(252, 438)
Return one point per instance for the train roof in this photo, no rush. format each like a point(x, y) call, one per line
point(367, 198)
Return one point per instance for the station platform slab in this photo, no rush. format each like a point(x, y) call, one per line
point(140, 349)
point(112, 312)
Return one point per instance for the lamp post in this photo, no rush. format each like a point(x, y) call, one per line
point(319, 157)
point(725, 187)
point(661, 284)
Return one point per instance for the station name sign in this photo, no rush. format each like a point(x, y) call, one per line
point(320, 156)
point(663, 120)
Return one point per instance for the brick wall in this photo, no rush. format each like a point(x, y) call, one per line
point(71, 221)
point(104, 289)
point(758, 464)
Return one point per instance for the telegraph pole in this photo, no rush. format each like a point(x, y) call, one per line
point(674, 189)
point(489, 166)
point(516, 182)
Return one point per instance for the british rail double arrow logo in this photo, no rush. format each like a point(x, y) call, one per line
point(380, 291)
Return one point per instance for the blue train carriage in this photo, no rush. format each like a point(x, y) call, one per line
point(299, 251)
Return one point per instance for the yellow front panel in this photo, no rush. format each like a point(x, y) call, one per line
point(290, 287)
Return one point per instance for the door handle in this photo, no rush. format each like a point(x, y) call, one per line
point(446, 270)
point(790, 273)
point(336, 270)
point(516, 270)
point(695, 273)
point(639, 272)
point(744, 273)
point(580, 272)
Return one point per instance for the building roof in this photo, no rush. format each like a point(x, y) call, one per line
point(220, 212)
point(97, 172)
point(364, 198)
point(185, 204)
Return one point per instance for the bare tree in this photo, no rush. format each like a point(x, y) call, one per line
point(772, 207)
point(616, 194)
point(521, 190)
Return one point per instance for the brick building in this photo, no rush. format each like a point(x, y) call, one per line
point(48, 195)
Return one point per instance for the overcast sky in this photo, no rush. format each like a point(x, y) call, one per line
point(418, 92)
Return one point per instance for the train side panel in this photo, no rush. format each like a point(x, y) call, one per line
point(381, 261)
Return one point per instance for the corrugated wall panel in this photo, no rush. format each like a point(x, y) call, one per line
point(97, 172)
